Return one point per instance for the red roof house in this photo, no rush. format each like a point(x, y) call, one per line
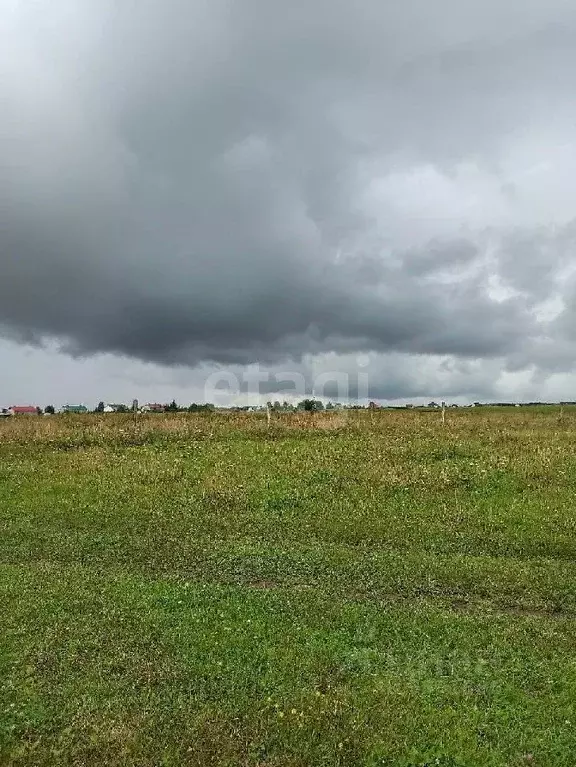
point(23, 410)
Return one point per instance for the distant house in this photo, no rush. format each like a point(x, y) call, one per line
point(23, 410)
point(115, 408)
point(152, 407)
point(74, 409)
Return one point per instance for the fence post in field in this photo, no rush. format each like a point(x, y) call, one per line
point(443, 412)
point(268, 414)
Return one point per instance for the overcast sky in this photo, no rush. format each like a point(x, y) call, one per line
point(318, 188)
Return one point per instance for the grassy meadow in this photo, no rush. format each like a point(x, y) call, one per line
point(357, 588)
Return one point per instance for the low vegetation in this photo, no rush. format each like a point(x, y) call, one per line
point(338, 588)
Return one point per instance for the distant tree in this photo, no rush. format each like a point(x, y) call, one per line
point(172, 407)
point(99, 407)
point(310, 405)
point(49, 409)
point(122, 409)
point(205, 408)
point(39, 410)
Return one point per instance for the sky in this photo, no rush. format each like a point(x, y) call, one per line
point(215, 200)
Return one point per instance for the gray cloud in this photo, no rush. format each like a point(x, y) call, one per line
point(189, 182)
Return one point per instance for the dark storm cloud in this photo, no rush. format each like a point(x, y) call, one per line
point(192, 181)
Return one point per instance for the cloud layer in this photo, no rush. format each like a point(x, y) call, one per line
point(193, 182)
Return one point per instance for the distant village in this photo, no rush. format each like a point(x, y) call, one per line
point(309, 405)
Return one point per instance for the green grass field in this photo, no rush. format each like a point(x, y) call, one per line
point(361, 589)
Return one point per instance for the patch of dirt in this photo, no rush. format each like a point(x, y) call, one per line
point(263, 585)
